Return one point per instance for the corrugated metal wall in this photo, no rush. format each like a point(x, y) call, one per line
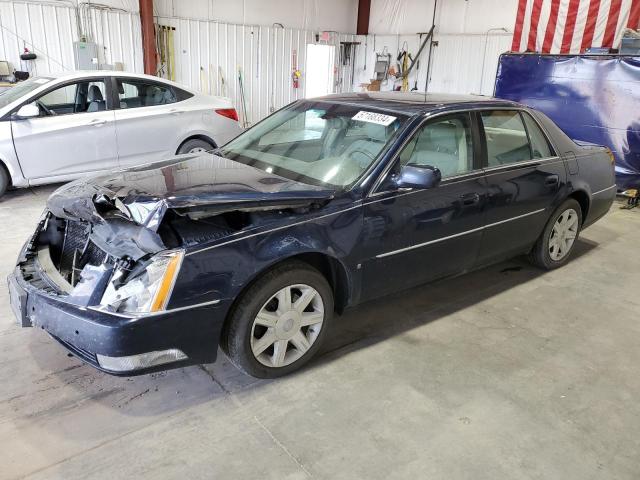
point(210, 55)
point(49, 30)
point(467, 63)
point(461, 63)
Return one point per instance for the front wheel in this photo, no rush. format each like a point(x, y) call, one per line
point(4, 180)
point(554, 247)
point(280, 322)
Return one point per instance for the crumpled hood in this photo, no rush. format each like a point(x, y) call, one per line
point(203, 184)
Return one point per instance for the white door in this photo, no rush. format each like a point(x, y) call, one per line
point(320, 69)
point(74, 134)
point(148, 122)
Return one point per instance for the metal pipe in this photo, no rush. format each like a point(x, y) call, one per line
point(433, 24)
point(272, 107)
point(484, 57)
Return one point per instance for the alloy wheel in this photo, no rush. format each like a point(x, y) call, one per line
point(287, 325)
point(197, 150)
point(563, 234)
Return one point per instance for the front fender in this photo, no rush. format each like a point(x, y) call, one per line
point(8, 156)
point(222, 271)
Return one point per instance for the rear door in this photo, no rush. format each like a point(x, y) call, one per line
point(524, 177)
point(149, 120)
point(415, 236)
point(74, 134)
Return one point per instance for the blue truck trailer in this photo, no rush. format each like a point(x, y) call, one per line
point(593, 98)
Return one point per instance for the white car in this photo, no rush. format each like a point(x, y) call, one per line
point(58, 128)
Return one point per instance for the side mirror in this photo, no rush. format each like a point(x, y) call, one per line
point(418, 176)
point(30, 110)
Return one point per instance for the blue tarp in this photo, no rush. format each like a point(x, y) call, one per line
point(592, 98)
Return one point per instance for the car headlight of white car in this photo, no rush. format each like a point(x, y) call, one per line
point(148, 291)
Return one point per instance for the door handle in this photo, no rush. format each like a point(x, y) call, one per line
point(551, 181)
point(470, 199)
point(97, 123)
point(175, 111)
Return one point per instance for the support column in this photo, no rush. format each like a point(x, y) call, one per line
point(364, 11)
point(148, 37)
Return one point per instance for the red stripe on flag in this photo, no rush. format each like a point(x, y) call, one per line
point(612, 23)
point(533, 29)
point(517, 32)
point(590, 27)
point(569, 26)
point(551, 26)
point(634, 15)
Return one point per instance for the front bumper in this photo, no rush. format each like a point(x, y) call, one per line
point(87, 332)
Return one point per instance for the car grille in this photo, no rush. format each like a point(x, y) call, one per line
point(78, 251)
point(76, 236)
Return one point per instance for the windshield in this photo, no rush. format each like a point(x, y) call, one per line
point(319, 143)
point(21, 89)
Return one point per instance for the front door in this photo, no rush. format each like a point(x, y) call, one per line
point(411, 237)
point(524, 178)
point(74, 134)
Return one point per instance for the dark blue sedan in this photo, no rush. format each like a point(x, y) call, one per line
point(325, 204)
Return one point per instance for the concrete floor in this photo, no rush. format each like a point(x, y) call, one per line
point(507, 372)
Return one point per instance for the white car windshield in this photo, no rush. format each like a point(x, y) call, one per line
point(21, 89)
point(320, 143)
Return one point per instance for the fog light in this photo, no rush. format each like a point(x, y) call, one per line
point(138, 362)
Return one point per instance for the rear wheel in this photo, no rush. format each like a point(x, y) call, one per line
point(195, 145)
point(554, 247)
point(280, 321)
point(4, 180)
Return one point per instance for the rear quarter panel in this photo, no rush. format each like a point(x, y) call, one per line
point(596, 175)
point(202, 119)
point(589, 169)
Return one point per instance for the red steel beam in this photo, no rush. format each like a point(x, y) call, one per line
point(364, 11)
point(148, 37)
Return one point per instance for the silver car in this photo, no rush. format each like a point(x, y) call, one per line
point(58, 128)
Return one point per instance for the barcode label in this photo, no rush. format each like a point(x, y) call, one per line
point(371, 117)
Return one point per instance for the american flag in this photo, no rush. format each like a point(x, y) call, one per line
point(572, 26)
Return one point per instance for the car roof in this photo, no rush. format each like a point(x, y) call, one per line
point(63, 76)
point(412, 103)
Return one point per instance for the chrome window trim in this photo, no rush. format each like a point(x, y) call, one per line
point(522, 163)
point(544, 132)
point(427, 117)
point(455, 235)
point(448, 181)
point(435, 114)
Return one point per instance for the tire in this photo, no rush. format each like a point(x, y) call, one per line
point(195, 145)
point(545, 254)
point(4, 180)
point(256, 348)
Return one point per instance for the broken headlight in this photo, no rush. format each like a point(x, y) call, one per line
point(147, 291)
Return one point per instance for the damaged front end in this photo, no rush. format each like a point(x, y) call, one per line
point(122, 253)
point(100, 274)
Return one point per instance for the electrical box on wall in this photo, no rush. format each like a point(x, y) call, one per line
point(85, 55)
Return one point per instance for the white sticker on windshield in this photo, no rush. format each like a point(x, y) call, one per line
point(371, 117)
point(41, 81)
